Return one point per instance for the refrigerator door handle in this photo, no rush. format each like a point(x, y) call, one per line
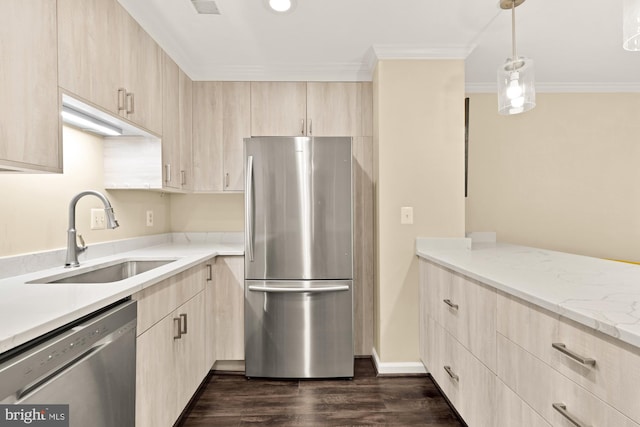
point(298, 290)
point(249, 207)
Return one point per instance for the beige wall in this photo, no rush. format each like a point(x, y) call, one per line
point(564, 176)
point(419, 162)
point(34, 208)
point(207, 212)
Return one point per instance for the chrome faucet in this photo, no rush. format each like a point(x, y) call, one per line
point(72, 247)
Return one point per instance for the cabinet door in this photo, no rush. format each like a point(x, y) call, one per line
point(29, 123)
point(227, 302)
point(142, 75)
point(207, 136)
point(278, 108)
point(190, 352)
point(334, 109)
point(171, 166)
point(185, 112)
point(236, 126)
point(89, 51)
point(156, 376)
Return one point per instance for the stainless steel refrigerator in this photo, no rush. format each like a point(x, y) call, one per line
point(298, 257)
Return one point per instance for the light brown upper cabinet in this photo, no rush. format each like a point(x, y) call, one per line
point(236, 125)
point(142, 76)
point(29, 117)
point(207, 137)
point(89, 41)
point(278, 108)
point(221, 120)
point(107, 59)
point(185, 113)
point(334, 109)
point(313, 109)
point(171, 171)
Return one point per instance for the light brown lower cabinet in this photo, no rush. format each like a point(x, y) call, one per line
point(547, 370)
point(467, 383)
point(225, 310)
point(170, 354)
point(555, 397)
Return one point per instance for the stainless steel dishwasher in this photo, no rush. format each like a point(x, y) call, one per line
point(89, 365)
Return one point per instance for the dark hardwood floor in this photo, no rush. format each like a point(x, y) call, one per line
point(232, 400)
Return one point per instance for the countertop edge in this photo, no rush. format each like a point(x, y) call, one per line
point(446, 255)
point(189, 255)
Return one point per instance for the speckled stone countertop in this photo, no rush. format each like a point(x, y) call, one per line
point(598, 293)
point(28, 310)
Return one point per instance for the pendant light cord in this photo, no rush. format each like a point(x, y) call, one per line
point(513, 28)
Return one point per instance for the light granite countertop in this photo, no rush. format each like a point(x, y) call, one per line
point(29, 310)
point(598, 293)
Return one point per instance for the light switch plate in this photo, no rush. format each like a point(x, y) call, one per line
point(98, 219)
point(406, 215)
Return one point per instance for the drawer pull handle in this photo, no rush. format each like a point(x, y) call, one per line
point(564, 350)
point(183, 328)
point(562, 408)
point(450, 304)
point(177, 328)
point(451, 374)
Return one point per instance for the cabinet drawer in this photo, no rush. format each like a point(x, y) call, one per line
point(469, 385)
point(466, 309)
point(156, 301)
point(541, 387)
point(512, 411)
point(614, 376)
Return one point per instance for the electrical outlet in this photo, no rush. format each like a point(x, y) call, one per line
point(98, 219)
point(149, 218)
point(406, 215)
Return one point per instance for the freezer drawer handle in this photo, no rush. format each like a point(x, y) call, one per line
point(298, 290)
point(562, 408)
point(575, 356)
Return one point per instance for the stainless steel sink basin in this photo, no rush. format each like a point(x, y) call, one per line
point(108, 273)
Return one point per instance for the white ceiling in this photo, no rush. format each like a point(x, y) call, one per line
point(576, 44)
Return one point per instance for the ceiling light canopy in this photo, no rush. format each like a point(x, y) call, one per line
point(516, 86)
point(281, 6)
point(631, 25)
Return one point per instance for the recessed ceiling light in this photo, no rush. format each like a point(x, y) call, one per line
point(281, 6)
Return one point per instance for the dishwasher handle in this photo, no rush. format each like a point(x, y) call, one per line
point(282, 289)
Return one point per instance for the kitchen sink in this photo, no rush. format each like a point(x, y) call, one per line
point(107, 273)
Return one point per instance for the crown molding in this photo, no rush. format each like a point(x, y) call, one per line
point(388, 51)
point(577, 87)
point(340, 72)
point(350, 71)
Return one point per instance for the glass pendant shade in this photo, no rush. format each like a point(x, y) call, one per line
point(516, 87)
point(631, 25)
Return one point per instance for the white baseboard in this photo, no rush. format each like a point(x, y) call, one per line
point(396, 368)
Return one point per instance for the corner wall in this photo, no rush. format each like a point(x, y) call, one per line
point(563, 176)
point(418, 162)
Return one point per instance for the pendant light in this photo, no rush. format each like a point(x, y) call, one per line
point(516, 88)
point(631, 25)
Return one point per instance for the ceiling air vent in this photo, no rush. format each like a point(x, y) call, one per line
point(206, 7)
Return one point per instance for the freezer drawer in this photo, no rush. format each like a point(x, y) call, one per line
point(299, 329)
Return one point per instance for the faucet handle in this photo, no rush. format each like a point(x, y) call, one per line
point(83, 245)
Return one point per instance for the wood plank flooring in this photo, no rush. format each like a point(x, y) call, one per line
point(232, 400)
